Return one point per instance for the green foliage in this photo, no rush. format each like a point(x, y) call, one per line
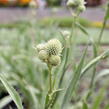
point(23, 69)
point(74, 80)
point(63, 22)
point(53, 2)
point(15, 96)
point(4, 101)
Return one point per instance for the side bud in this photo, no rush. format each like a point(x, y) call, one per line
point(40, 47)
point(43, 55)
point(55, 60)
point(71, 3)
point(81, 8)
point(65, 33)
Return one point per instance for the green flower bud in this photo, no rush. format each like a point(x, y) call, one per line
point(71, 3)
point(53, 47)
point(43, 55)
point(65, 33)
point(55, 60)
point(78, 5)
point(40, 47)
point(81, 8)
point(78, 2)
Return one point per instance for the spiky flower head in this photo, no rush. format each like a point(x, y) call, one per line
point(53, 47)
point(43, 55)
point(78, 5)
point(54, 60)
point(81, 8)
point(71, 3)
point(40, 47)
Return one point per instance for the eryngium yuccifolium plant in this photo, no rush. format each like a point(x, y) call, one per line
point(50, 52)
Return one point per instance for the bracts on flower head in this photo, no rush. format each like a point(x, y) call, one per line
point(50, 52)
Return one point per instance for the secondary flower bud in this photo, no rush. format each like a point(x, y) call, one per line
point(53, 47)
point(65, 33)
point(40, 47)
point(55, 60)
point(43, 55)
point(81, 8)
point(78, 5)
point(71, 3)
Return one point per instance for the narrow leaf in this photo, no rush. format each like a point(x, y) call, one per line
point(4, 101)
point(107, 13)
point(74, 80)
point(103, 73)
point(94, 61)
point(13, 93)
point(98, 99)
point(82, 28)
point(85, 105)
point(107, 106)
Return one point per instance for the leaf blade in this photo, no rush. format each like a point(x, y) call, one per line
point(14, 95)
point(73, 82)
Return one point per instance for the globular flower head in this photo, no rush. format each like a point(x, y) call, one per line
point(40, 47)
point(54, 60)
point(65, 33)
point(43, 55)
point(53, 47)
point(71, 3)
point(50, 52)
point(78, 5)
point(81, 8)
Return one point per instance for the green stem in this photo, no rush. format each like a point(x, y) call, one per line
point(50, 78)
point(94, 69)
point(67, 56)
point(93, 78)
point(104, 24)
point(101, 33)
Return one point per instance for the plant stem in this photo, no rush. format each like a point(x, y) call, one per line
point(104, 24)
point(67, 56)
point(50, 78)
point(94, 69)
point(101, 33)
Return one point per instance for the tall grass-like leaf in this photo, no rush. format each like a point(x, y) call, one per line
point(99, 99)
point(94, 68)
point(107, 12)
point(81, 28)
point(104, 24)
point(103, 73)
point(14, 95)
point(4, 101)
point(34, 98)
point(85, 105)
point(74, 80)
point(94, 61)
point(107, 106)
